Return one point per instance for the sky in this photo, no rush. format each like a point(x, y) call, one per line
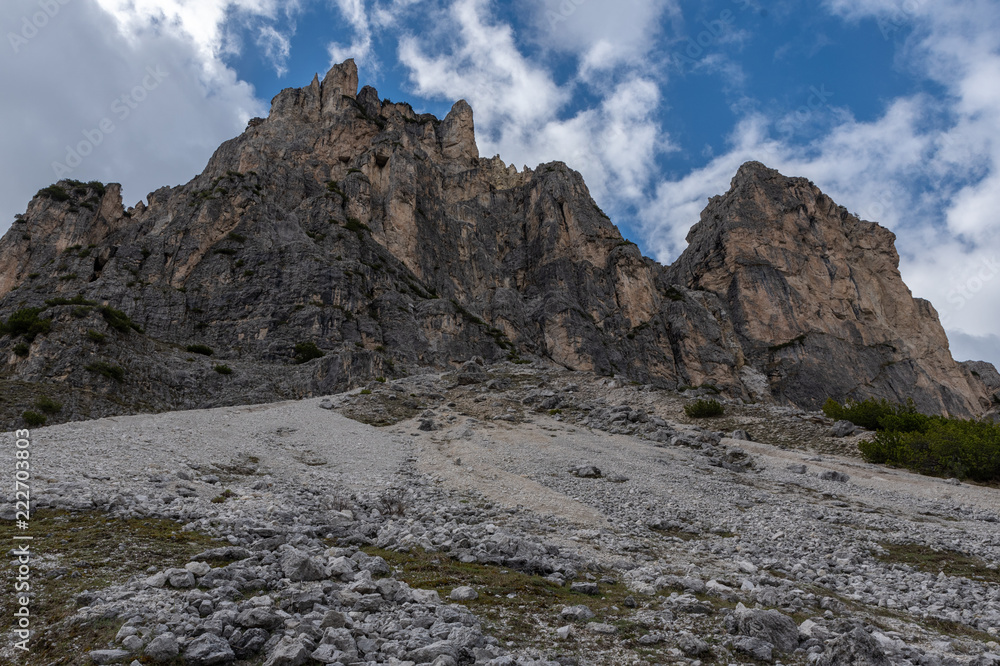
point(892, 107)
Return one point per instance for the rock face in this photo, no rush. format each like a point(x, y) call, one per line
point(345, 238)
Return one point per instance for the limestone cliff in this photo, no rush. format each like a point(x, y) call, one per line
point(382, 237)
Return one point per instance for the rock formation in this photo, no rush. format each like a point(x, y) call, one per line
point(382, 237)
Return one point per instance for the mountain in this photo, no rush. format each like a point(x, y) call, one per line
point(346, 238)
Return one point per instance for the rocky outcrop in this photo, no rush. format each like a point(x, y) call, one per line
point(816, 299)
point(345, 238)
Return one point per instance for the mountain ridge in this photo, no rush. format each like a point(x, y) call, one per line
point(382, 238)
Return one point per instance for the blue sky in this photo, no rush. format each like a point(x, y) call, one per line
point(891, 106)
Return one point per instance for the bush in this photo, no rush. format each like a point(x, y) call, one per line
point(701, 409)
point(223, 370)
point(875, 414)
point(113, 372)
point(307, 351)
point(96, 336)
point(947, 447)
point(48, 405)
point(76, 300)
point(54, 192)
point(22, 349)
point(26, 322)
point(204, 350)
point(118, 320)
point(34, 419)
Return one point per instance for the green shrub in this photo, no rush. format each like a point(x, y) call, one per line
point(34, 419)
point(366, 391)
point(381, 380)
point(881, 414)
point(113, 372)
point(22, 349)
point(118, 320)
point(76, 300)
point(947, 447)
point(701, 409)
point(204, 350)
point(48, 405)
point(236, 238)
point(26, 322)
point(54, 192)
point(96, 336)
point(307, 351)
point(223, 369)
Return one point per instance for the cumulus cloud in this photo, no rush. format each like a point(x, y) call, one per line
point(520, 108)
point(356, 14)
point(130, 92)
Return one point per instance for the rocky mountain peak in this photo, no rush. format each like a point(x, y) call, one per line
point(346, 237)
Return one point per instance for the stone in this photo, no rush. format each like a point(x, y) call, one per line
point(463, 593)
point(289, 652)
point(577, 613)
point(429, 653)
point(163, 648)
point(854, 648)
point(843, 429)
point(586, 472)
point(797, 468)
point(249, 643)
point(691, 645)
point(768, 625)
point(198, 568)
point(755, 647)
point(585, 588)
point(298, 566)
point(833, 475)
point(259, 618)
point(208, 650)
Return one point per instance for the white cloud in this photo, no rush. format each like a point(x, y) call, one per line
point(603, 34)
point(277, 48)
point(360, 48)
point(518, 105)
point(87, 67)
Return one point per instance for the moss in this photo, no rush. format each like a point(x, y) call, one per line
point(701, 409)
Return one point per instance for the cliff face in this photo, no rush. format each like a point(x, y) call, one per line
point(816, 297)
point(382, 237)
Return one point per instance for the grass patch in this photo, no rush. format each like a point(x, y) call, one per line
point(223, 496)
point(88, 551)
point(932, 561)
point(701, 409)
point(523, 608)
point(204, 350)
